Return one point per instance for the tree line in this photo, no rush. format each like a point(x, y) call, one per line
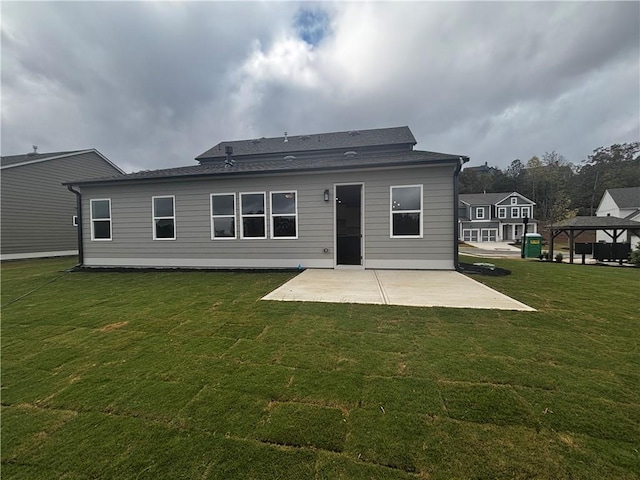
point(560, 188)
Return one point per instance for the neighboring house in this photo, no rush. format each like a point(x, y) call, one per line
point(621, 203)
point(37, 210)
point(363, 199)
point(494, 217)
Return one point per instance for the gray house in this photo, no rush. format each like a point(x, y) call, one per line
point(494, 217)
point(37, 210)
point(359, 199)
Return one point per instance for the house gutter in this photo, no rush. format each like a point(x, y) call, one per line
point(79, 227)
point(456, 227)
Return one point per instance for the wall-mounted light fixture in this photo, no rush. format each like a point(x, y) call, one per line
point(326, 195)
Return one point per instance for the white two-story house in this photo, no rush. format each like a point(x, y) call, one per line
point(494, 217)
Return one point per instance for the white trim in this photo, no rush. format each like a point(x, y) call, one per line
point(234, 216)
point(411, 264)
point(55, 157)
point(513, 201)
point(209, 262)
point(517, 210)
point(253, 215)
point(504, 209)
point(272, 215)
point(519, 195)
point(479, 209)
point(110, 219)
point(21, 256)
point(74, 220)
point(154, 217)
point(335, 223)
point(528, 209)
point(392, 212)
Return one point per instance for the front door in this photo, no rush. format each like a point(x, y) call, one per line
point(348, 224)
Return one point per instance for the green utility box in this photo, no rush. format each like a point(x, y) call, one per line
point(532, 245)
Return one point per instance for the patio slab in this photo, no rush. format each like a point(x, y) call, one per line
point(416, 288)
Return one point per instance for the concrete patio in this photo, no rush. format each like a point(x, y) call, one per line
point(416, 288)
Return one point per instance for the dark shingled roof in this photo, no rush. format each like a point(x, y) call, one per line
point(308, 143)
point(410, 157)
point(626, 197)
point(485, 198)
point(30, 157)
point(595, 223)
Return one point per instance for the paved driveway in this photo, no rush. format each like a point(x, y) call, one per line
point(416, 288)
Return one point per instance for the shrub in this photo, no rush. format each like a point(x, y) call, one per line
point(634, 256)
point(559, 257)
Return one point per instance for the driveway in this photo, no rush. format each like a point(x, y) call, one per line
point(416, 288)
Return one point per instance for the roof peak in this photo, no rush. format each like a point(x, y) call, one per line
point(399, 137)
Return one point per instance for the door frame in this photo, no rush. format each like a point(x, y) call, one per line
point(336, 265)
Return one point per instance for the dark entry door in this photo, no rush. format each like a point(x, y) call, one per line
point(349, 224)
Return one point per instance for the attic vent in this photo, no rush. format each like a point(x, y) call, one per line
point(305, 137)
point(289, 157)
point(354, 133)
point(350, 153)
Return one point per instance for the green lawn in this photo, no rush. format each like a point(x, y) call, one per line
point(188, 375)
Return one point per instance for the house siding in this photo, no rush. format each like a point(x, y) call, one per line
point(37, 210)
point(132, 243)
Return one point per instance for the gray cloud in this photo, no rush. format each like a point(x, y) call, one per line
point(152, 85)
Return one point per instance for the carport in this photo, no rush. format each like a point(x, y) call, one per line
point(614, 227)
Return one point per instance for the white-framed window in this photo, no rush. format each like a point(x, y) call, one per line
point(253, 215)
point(100, 219)
point(284, 214)
point(164, 217)
point(502, 212)
point(74, 220)
point(525, 212)
point(223, 216)
point(480, 213)
point(514, 200)
point(514, 212)
point(406, 211)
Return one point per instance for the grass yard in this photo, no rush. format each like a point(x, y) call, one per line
point(188, 375)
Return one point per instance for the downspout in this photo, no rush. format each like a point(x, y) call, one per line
point(456, 227)
point(79, 227)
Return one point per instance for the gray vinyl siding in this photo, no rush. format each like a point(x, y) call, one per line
point(132, 218)
point(37, 209)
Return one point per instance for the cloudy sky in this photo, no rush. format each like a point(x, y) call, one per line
point(152, 85)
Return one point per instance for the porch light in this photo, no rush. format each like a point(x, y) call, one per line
point(326, 195)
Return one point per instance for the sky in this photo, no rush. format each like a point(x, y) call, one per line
point(154, 84)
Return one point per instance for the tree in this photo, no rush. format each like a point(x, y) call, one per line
point(615, 166)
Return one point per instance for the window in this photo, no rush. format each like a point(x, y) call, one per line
point(253, 215)
point(514, 200)
point(480, 213)
point(406, 211)
point(502, 212)
point(101, 219)
point(284, 215)
point(164, 218)
point(525, 212)
point(223, 216)
point(514, 212)
point(74, 220)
